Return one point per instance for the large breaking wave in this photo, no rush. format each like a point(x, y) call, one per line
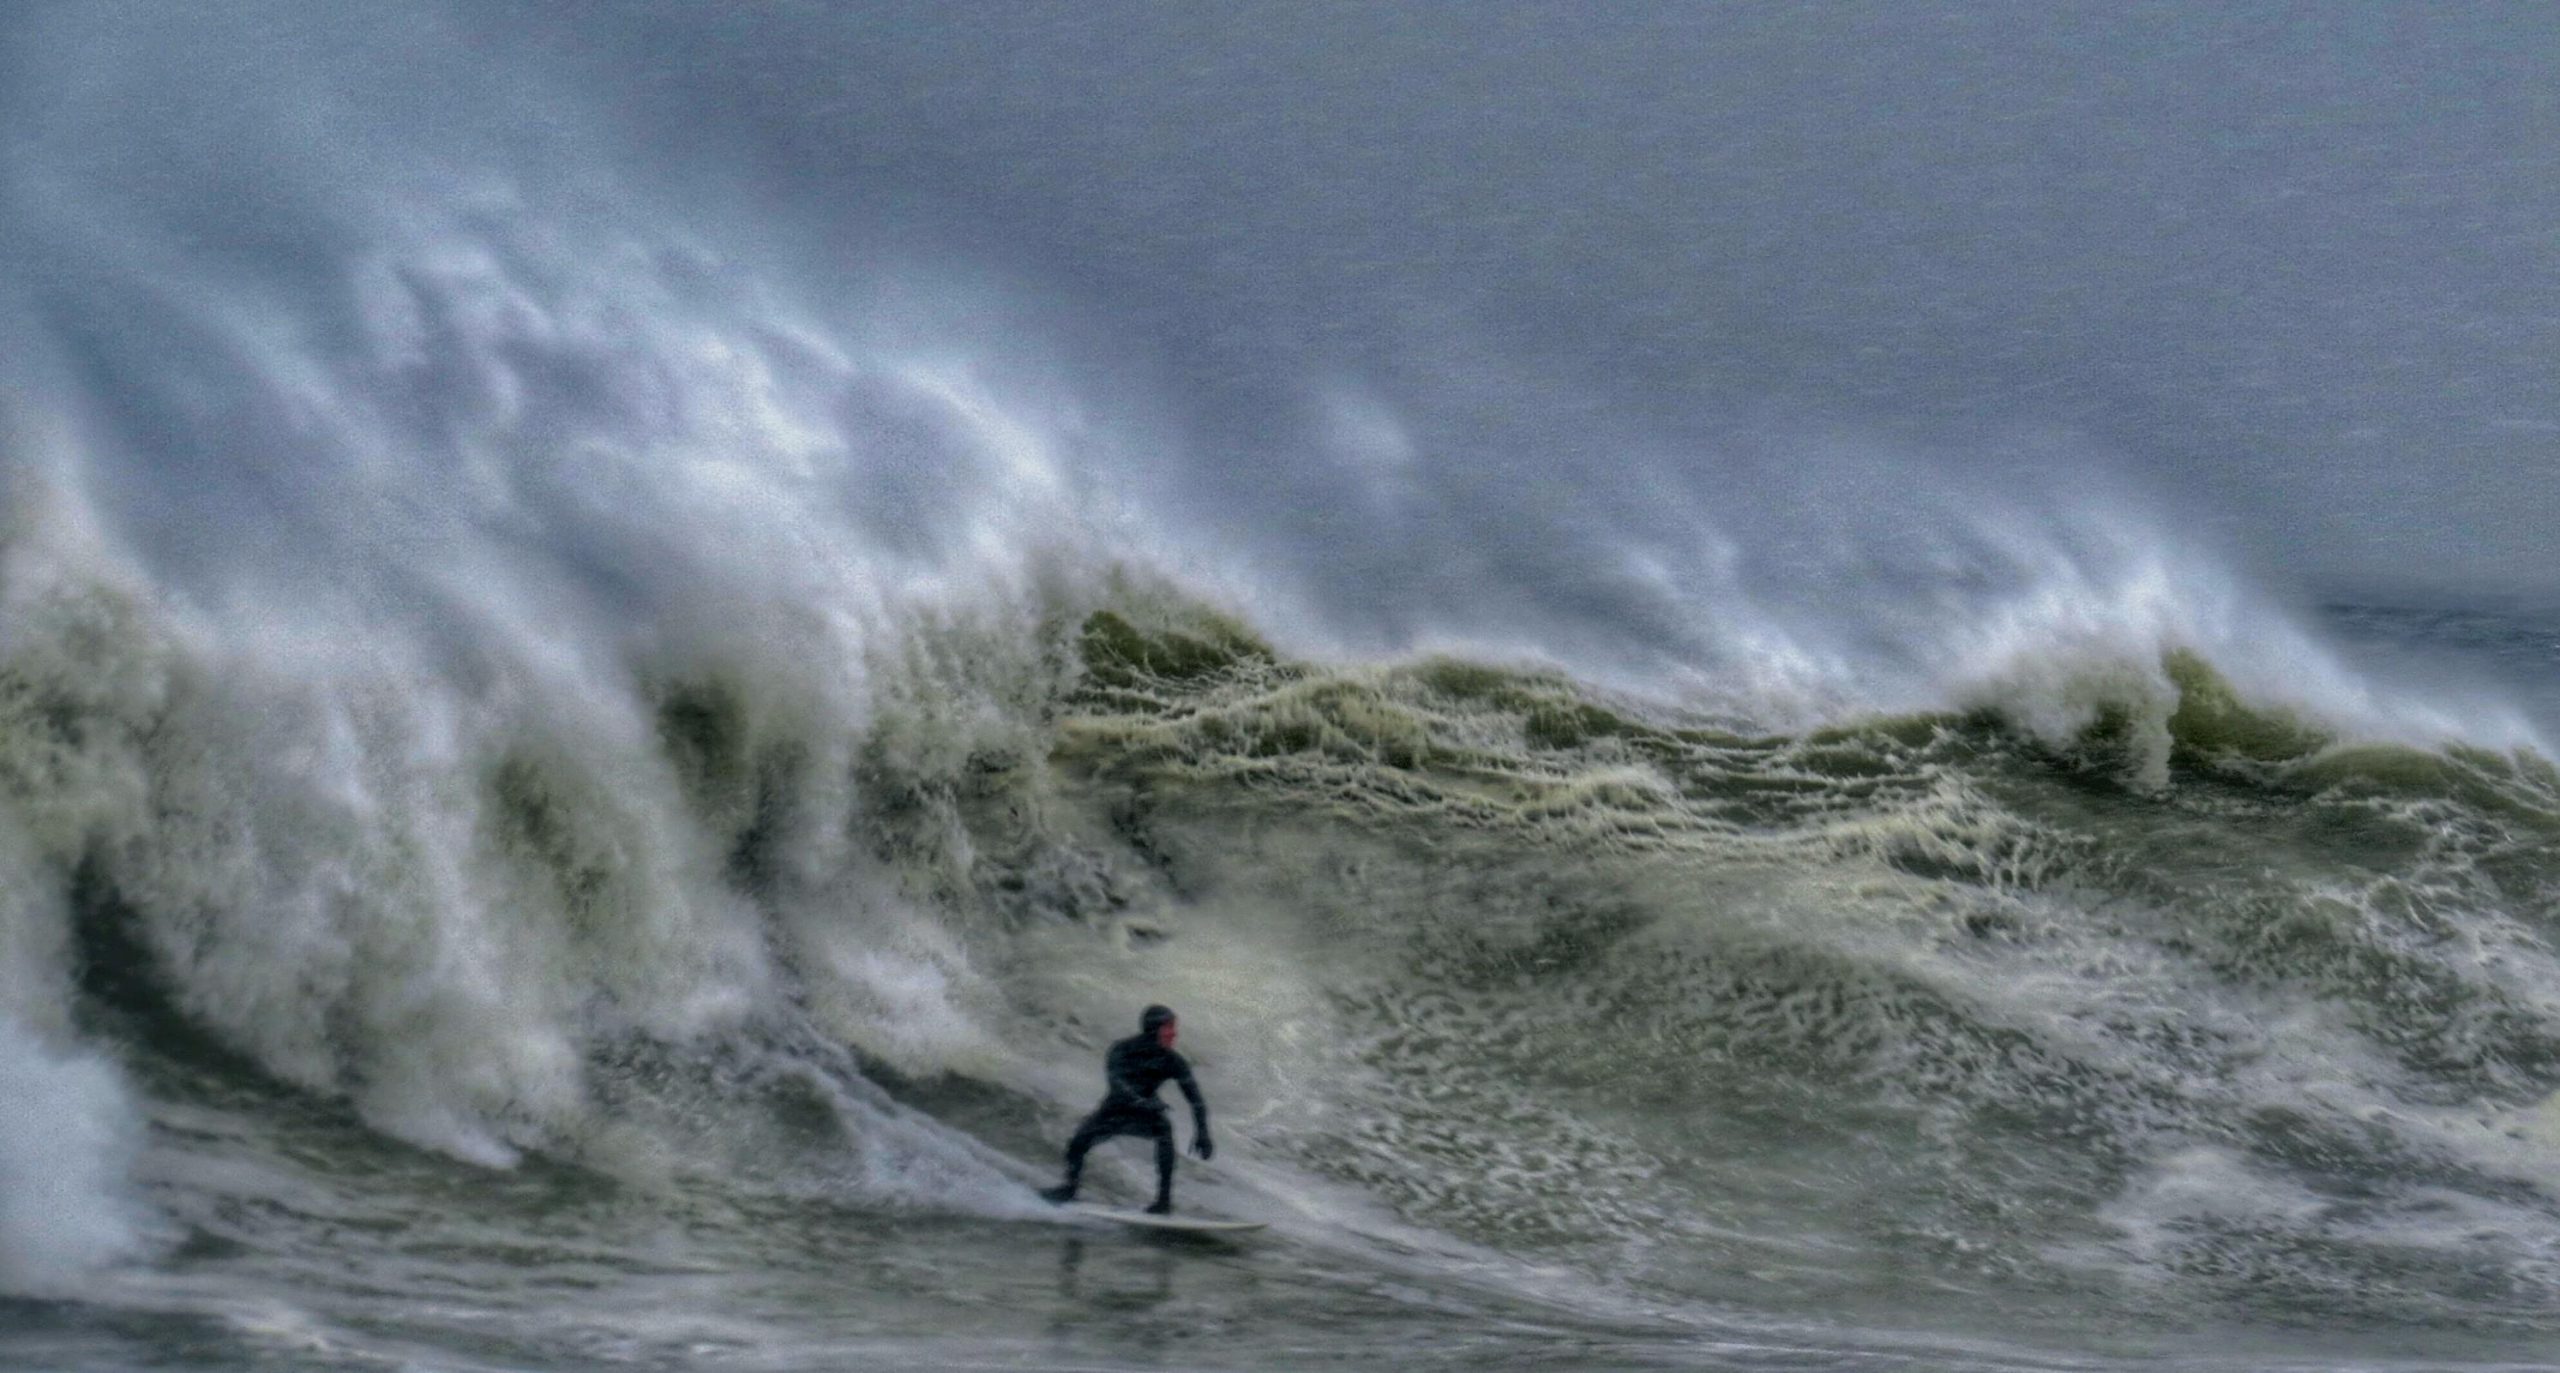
point(2103, 979)
point(565, 689)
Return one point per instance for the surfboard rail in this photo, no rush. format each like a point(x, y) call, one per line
point(1194, 1225)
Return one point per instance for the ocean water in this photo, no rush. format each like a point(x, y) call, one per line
point(626, 643)
point(1542, 1025)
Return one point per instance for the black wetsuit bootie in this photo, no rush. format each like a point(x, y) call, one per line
point(1059, 1195)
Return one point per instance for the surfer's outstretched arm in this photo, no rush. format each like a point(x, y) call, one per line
point(1200, 1144)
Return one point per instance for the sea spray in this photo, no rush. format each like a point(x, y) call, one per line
point(68, 1141)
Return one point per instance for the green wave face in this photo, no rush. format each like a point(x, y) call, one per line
point(1802, 1018)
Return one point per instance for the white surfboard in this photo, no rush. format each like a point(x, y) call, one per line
point(1196, 1225)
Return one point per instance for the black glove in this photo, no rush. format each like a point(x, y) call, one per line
point(1202, 1149)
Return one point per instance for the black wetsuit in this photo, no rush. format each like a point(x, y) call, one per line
point(1136, 1068)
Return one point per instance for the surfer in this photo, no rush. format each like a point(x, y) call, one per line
point(1135, 1068)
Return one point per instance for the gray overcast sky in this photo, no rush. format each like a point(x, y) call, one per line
point(2298, 263)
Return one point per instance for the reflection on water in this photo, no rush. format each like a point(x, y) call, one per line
point(1125, 1297)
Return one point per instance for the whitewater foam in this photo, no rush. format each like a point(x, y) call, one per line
point(67, 1146)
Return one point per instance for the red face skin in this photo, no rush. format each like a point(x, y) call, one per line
point(1164, 1033)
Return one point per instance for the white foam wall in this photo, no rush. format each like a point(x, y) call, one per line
point(68, 1135)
